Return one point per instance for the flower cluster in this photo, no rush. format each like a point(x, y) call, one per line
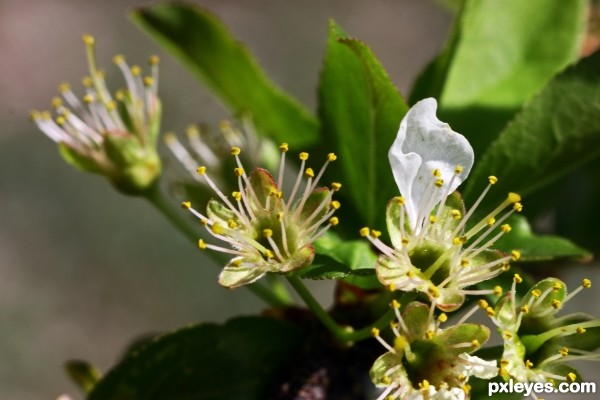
point(267, 231)
point(437, 249)
point(112, 135)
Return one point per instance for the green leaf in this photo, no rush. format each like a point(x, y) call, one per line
point(535, 247)
point(203, 44)
point(239, 360)
point(555, 133)
point(79, 161)
point(501, 53)
point(360, 110)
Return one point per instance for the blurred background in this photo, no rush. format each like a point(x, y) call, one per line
point(83, 269)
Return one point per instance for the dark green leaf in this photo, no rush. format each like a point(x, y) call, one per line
point(205, 46)
point(239, 360)
point(555, 133)
point(535, 247)
point(360, 111)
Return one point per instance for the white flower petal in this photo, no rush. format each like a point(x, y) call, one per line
point(423, 144)
point(475, 366)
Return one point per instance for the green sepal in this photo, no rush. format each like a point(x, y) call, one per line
point(242, 271)
point(263, 185)
point(314, 200)
point(218, 212)
point(78, 160)
point(83, 374)
point(465, 333)
point(589, 341)
point(416, 318)
point(539, 307)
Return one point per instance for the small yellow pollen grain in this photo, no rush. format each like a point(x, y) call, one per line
point(410, 273)
point(201, 170)
point(118, 59)
point(556, 304)
point(491, 221)
point(464, 262)
point(391, 287)
point(506, 228)
point(467, 389)
point(504, 363)
point(432, 219)
point(364, 232)
point(395, 304)
point(279, 216)
point(443, 317)
point(456, 214)
point(331, 157)
point(333, 221)
point(88, 98)
point(64, 87)
point(309, 173)
point(580, 330)
point(136, 70)
point(458, 169)
point(429, 335)
point(374, 332)
point(154, 60)
point(433, 291)
point(424, 385)
point(303, 156)
point(405, 241)
point(475, 343)
point(148, 81)
point(216, 228)
point(498, 290)
point(111, 105)
point(267, 233)
point(235, 151)
point(483, 304)
point(56, 102)
point(492, 179)
point(528, 364)
point(515, 255)
point(237, 263)
point(514, 197)
point(586, 283)
point(201, 244)
point(336, 186)
point(505, 267)
point(456, 241)
point(204, 222)
point(61, 120)
point(557, 287)
point(525, 309)
point(563, 351)
point(507, 334)
point(283, 147)
point(437, 173)
point(375, 234)
point(237, 196)
point(518, 207)
point(335, 204)
point(571, 377)
point(536, 293)
point(87, 82)
point(399, 200)
point(231, 224)
point(88, 39)
point(490, 312)
point(439, 183)
point(269, 254)
point(238, 171)
point(46, 115)
point(517, 278)
point(186, 205)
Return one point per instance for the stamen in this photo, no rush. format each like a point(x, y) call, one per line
point(283, 148)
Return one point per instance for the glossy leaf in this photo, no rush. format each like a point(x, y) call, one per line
point(360, 110)
point(205, 46)
point(239, 360)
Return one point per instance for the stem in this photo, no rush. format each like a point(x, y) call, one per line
point(158, 199)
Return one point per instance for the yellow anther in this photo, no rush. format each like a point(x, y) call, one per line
point(148, 81)
point(64, 87)
point(586, 283)
point(433, 292)
point(491, 221)
point(517, 278)
point(399, 200)
point(464, 262)
point(201, 244)
point(483, 304)
point(111, 105)
point(391, 287)
point(375, 233)
point(505, 267)
point(432, 219)
point(201, 170)
point(374, 332)
point(525, 309)
point(395, 304)
point(462, 377)
point(216, 228)
point(267, 233)
point(279, 216)
point(400, 343)
point(506, 228)
point(515, 255)
point(467, 389)
point(61, 120)
point(439, 183)
point(335, 204)
point(563, 351)
point(443, 317)
point(154, 60)
point(424, 385)
point(528, 364)
point(118, 59)
point(87, 82)
point(136, 70)
point(536, 293)
point(556, 304)
point(490, 312)
point(331, 157)
point(88, 98)
point(56, 102)
point(514, 197)
point(186, 205)
point(283, 147)
point(269, 254)
point(386, 380)
point(492, 179)
point(475, 343)
point(88, 39)
point(437, 173)
point(504, 363)
point(557, 287)
point(518, 207)
point(303, 156)
point(335, 186)
point(571, 377)
point(459, 240)
point(237, 263)
point(458, 169)
point(235, 151)
point(46, 115)
point(231, 224)
point(237, 196)
point(404, 241)
point(410, 273)
point(309, 173)
point(580, 330)
point(507, 334)
point(35, 115)
point(455, 214)
point(429, 335)
point(120, 95)
point(333, 221)
point(204, 222)
point(498, 290)
point(238, 171)
point(364, 232)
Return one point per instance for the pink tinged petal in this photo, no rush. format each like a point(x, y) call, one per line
point(423, 144)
